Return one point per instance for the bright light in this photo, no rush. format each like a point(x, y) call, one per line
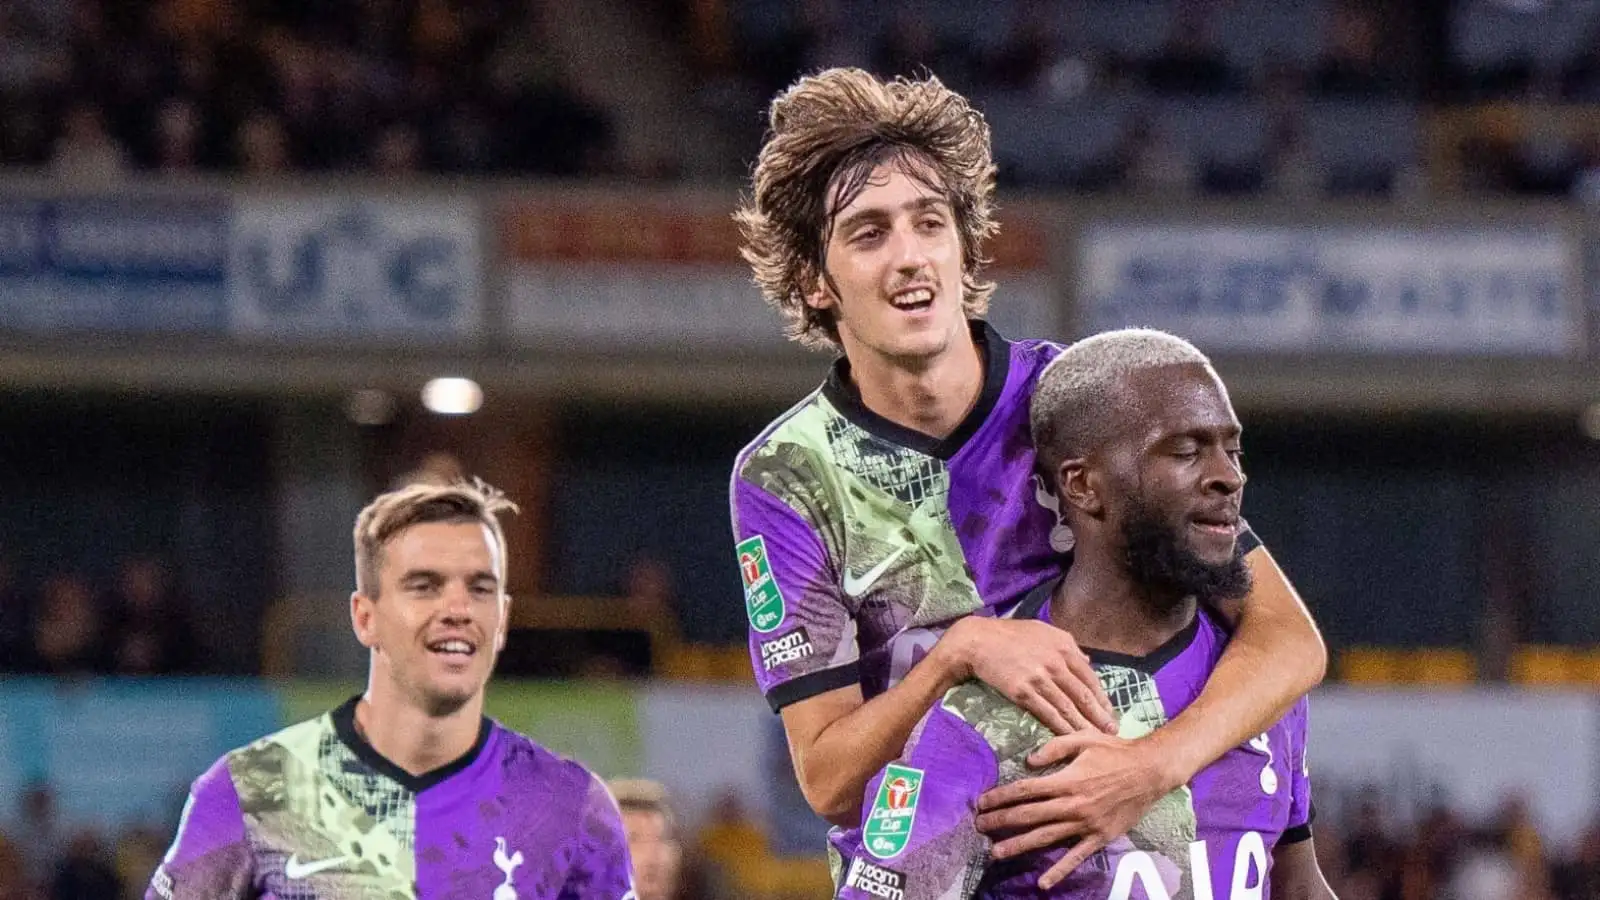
point(452, 396)
point(370, 407)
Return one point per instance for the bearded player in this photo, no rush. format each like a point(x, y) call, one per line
point(1138, 437)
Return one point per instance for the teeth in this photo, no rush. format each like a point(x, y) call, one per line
point(921, 295)
point(453, 647)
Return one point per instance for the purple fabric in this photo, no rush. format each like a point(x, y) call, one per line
point(522, 817)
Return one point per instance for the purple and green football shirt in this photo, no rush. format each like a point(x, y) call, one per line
point(313, 812)
point(1211, 839)
point(860, 541)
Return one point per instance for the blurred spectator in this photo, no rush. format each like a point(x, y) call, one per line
point(86, 872)
point(1154, 164)
point(1191, 62)
point(1485, 871)
point(1292, 172)
point(177, 137)
point(648, 592)
point(653, 842)
point(1351, 64)
point(301, 87)
point(397, 150)
point(14, 636)
point(1578, 877)
point(86, 152)
point(38, 836)
point(261, 145)
point(151, 632)
point(68, 630)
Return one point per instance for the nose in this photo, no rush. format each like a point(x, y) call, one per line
point(457, 603)
point(1223, 473)
point(910, 253)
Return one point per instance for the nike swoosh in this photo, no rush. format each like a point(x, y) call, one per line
point(855, 587)
point(293, 868)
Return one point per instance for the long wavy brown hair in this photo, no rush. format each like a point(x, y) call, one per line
point(826, 134)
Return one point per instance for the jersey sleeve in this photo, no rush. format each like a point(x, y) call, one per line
point(601, 869)
point(918, 836)
point(1301, 810)
point(802, 635)
point(210, 857)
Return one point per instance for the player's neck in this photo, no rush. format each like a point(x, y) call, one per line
point(1106, 610)
point(930, 396)
point(411, 738)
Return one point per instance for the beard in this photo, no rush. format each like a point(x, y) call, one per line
point(1158, 557)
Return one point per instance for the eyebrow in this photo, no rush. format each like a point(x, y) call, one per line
point(879, 212)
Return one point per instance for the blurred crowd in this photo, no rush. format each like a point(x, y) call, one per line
point(722, 857)
point(90, 89)
point(139, 624)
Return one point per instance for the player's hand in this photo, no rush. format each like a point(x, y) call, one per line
point(1109, 785)
point(1037, 666)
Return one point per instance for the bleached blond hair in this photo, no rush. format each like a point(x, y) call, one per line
point(1076, 400)
point(420, 503)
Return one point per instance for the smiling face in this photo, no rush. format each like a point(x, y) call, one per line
point(438, 619)
point(893, 267)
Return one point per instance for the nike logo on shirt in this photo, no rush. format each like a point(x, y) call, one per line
point(856, 586)
point(294, 868)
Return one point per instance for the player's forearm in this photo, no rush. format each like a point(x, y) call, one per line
point(837, 764)
point(1274, 658)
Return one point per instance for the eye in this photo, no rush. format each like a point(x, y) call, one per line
point(866, 235)
point(931, 223)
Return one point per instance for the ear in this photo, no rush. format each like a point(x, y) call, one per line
point(361, 619)
point(821, 295)
point(1078, 486)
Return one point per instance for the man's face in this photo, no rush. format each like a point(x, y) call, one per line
point(440, 615)
point(655, 853)
point(1177, 484)
point(894, 256)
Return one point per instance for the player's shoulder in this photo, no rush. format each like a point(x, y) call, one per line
point(262, 763)
point(1031, 356)
point(526, 762)
point(800, 426)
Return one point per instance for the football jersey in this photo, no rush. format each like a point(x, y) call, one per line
point(1211, 839)
point(860, 541)
point(313, 812)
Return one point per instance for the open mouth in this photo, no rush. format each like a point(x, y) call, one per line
point(453, 648)
point(914, 300)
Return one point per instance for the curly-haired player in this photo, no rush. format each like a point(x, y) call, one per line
point(886, 524)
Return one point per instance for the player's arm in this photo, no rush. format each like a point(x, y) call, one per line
point(210, 857)
point(806, 660)
point(1274, 657)
point(1296, 874)
point(602, 870)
